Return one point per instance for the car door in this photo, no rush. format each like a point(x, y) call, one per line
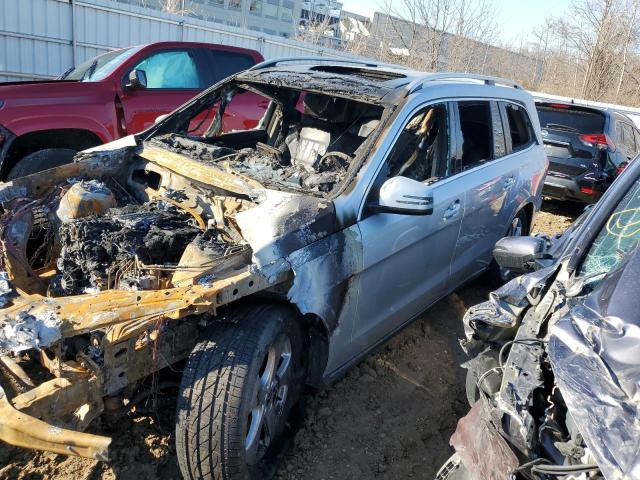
point(488, 131)
point(173, 77)
point(406, 258)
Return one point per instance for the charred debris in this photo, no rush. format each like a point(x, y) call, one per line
point(99, 256)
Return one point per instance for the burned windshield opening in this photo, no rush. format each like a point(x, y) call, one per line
point(306, 141)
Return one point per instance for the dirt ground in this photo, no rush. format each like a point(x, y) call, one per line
point(389, 417)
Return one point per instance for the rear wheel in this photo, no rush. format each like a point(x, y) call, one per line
point(518, 228)
point(237, 393)
point(41, 160)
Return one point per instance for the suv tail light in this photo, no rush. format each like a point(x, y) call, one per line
point(598, 140)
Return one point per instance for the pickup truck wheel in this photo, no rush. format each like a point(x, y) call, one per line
point(237, 392)
point(519, 227)
point(41, 160)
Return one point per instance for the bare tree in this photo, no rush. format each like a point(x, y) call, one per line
point(630, 40)
point(439, 34)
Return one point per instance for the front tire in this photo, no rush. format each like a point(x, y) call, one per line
point(41, 160)
point(237, 393)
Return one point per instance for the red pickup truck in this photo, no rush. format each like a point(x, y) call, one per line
point(44, 123)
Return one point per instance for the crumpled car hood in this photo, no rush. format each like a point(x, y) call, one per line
point(594, 351)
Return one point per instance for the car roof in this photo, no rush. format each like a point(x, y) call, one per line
point(361, 80)
point(217, 46)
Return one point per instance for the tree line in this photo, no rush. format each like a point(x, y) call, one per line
point(590, 51)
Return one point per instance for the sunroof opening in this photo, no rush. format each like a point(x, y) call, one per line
point(379, 75)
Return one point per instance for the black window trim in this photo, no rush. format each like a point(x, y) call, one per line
point(495, 107)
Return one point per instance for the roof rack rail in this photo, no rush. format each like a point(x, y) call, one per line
point(365, 63)
point(488, 80)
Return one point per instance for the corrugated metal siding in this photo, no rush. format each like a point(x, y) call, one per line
point(36, 36)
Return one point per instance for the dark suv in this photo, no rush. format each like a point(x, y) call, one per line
point(587, 147)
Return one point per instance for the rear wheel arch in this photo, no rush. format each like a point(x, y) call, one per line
point(31, 142)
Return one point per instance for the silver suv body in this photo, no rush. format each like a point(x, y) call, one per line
point(267, 258)
point(409, 261)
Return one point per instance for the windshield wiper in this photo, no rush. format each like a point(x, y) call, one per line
point(89, 73)
point(67, 72)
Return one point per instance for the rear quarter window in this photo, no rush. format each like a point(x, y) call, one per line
point(571, 119)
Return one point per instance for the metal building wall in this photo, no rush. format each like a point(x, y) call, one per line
point(43, 38)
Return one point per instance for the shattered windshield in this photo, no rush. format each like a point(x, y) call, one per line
point(618, 238)
point(305, 141)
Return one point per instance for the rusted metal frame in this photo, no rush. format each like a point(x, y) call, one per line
point(85, 313)
point(209, 175)
point(22, 430)
point(20, 427)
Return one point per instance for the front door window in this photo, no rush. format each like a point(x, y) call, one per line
point(174, 69)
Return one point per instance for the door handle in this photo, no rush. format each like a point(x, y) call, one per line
point(452, 210)
point(508, 182)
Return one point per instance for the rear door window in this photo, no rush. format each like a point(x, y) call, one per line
point(520, 129)
point(570, 119)
point(222, 64)
point(476, 127)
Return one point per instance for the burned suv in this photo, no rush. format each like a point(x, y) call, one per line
point(554, 373)
point(254, 262)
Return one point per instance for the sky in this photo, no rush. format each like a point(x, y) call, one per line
point(517, 18)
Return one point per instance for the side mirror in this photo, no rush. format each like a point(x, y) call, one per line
point(405, 196)
point(137, 80)
point(160, 118)
point(518, 254)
